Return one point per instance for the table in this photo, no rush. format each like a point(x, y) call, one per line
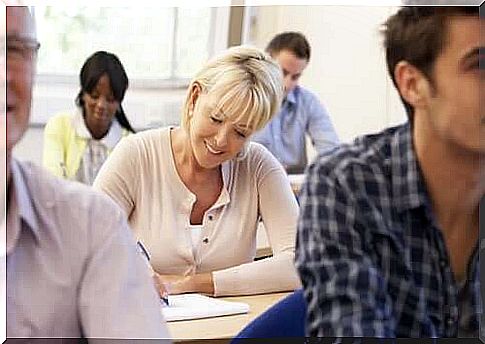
point(225, 327)
point(296, 181)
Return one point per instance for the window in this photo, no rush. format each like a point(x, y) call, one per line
point(153, 43)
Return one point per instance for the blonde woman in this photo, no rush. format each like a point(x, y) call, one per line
point(194, 194)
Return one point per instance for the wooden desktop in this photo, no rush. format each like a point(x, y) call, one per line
point(224, 327)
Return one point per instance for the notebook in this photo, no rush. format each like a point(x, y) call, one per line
point(196, 306)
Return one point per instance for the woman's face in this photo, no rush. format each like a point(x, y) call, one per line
point(214, 137)
point(100, 106)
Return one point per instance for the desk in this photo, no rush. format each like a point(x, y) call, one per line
point(225, 327)
point(296, 181)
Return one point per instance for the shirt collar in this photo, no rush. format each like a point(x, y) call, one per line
point(21, 207)
point(291, 96)
point(109, 140)
point(408, 185)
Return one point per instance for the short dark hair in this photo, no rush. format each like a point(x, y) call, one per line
point(295, 42)
point(417, 34)
point(98, 64)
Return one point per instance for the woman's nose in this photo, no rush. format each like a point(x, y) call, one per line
point(221, 137)
point(101, 102)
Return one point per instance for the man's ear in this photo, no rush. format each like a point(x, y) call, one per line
point(412, 84)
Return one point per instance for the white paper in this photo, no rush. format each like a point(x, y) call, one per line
point(196, 306)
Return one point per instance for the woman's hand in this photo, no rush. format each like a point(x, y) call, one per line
point(160, 285)
point(176, 284)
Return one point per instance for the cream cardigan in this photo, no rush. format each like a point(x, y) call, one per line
point(140, 175)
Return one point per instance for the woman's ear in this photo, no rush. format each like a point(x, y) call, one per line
point(196, 90)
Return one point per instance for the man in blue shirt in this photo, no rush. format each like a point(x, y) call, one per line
point(388, 232)
point(301, 112)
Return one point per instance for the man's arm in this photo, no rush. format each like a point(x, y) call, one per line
point(117, 297)
point(345, 292)
point(319, 127)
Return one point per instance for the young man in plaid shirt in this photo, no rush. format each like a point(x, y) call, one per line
point(388, 232)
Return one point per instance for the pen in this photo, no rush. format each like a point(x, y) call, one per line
point(144, 252)
point(165, 300)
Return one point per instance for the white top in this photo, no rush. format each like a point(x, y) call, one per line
point(72, 264)
point(140, 175)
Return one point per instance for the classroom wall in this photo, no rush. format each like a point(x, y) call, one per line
point(347, 68)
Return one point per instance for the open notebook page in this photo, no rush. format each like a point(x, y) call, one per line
point(196, 306)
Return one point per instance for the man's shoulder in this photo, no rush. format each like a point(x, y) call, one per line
point(302, 90)
point(367, 158)
point(304, 95)
point(308, 103)
point(54, 194)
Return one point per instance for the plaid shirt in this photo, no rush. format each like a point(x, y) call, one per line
point(370, 254)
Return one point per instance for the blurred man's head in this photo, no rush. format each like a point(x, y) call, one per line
point(22, 49)
point(292, 52)
point(435, 59)
point(418, 34)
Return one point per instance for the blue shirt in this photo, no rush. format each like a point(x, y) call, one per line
point(370, 253)
point(301, 113)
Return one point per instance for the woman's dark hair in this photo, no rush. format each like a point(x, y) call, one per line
point(98, 64)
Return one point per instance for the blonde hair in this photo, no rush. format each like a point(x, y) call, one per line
point(247, 82)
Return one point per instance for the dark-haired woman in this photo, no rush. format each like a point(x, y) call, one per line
point(77, 144)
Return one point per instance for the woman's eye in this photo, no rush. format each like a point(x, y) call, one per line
point(94, 95)
point(215, 119)
point(240, 133)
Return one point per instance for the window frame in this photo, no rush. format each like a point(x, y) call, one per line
point(218, 33)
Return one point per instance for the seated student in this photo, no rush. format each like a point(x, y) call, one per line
point(77, 144)
point(301, 112)
point(388, 233)
point(73, 269)
point(194, 194)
